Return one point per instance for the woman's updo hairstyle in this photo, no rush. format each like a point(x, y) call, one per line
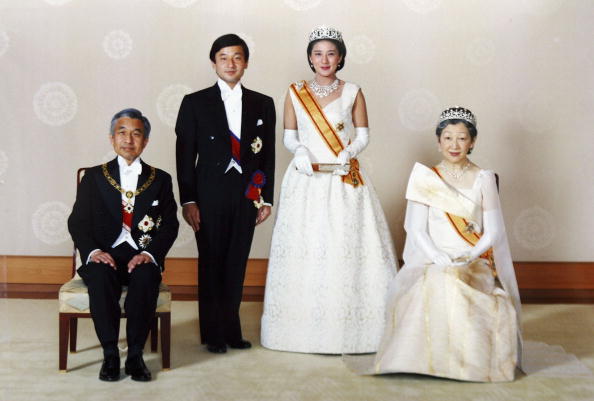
point(331, 35)
point(455, 115)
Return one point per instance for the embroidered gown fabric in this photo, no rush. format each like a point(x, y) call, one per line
point(332, 255)
point(451, 321)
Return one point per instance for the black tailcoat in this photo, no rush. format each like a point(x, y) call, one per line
point(203, 152)
point(96, 219)
point(96, 223)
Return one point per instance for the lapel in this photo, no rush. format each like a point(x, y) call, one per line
point(144, 200)
point(217, 110)
point(111, 196)
point(246, 120)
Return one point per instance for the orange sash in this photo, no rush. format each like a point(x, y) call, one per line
point(465, 229)
point(326, 131)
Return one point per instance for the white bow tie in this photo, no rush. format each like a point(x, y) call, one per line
point(133, 169)
point(230, 95)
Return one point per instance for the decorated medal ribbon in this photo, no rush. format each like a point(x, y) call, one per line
point(254, 189)
point(326, 131)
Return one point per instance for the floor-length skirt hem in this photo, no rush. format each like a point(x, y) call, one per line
point(331, 261)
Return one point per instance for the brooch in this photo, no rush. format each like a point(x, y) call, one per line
point(144, 240)
point(340, 126)
point(128, 207)
point(146, 224)
point(469, 229)
point(257, 145)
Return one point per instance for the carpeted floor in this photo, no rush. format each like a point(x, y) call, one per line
point(29, 365)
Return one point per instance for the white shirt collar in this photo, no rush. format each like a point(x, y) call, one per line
point(226, 90)
point(135, 167)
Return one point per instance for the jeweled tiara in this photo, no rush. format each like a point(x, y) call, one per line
point(458, 113)
point(324, 32)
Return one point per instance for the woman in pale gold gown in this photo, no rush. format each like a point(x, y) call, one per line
point(454, 307)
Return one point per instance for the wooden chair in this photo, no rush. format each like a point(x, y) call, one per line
point(74, 304)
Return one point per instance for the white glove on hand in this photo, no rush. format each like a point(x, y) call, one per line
point(440, 258)
point(463, 257)
point(343, 158)
point(302, 160)
point(361, 141)
point(340, 171)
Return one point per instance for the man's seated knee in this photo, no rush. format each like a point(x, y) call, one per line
point(146, 272)
point(97, 271)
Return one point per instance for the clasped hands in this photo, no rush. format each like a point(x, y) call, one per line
point(104, 257)
point(303, 161)
point(460, 258)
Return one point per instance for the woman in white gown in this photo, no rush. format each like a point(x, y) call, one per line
point(332, 255)
point(454, 307)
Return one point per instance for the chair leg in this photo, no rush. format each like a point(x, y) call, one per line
point(166, 339)
point(64, 323)
point(73, 331)
point(154, 333)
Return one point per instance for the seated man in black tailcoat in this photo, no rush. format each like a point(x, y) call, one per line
point(123, 223)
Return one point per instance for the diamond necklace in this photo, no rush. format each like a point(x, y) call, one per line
point(323, 90)
point(456, 175)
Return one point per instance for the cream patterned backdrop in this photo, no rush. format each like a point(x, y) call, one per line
point(525, 67)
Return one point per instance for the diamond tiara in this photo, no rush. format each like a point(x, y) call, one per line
point(457, 113)
point(324, 32)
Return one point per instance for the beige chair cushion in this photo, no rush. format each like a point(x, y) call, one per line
point(74, 297)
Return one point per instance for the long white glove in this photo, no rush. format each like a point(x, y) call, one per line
point(356, 147)
point(361, 141)
point(417, 215)
point(492, 229)
point(343, 158)
point(301, 160)
point(291, 140)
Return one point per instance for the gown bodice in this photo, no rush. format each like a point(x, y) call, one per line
point(339, 114)
point(440, 229)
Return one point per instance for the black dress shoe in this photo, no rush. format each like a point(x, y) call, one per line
point(241, 344)
point(110, 369)
point(136, 368)
point(216, 348)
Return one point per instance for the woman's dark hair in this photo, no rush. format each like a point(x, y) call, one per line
point(471, 128)
point(339, 46)
point(227, 40)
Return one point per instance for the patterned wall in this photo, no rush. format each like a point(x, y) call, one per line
point(523, 66)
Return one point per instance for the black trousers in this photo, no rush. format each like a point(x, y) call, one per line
point(224, 241)
point(105, 288)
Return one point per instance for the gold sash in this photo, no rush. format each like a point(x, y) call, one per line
point(466, 230)
point(326, 131)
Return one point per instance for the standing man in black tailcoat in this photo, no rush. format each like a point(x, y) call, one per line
point(123, 223)
point(225, 170)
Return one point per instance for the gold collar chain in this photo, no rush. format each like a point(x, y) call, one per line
point(129, 194)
